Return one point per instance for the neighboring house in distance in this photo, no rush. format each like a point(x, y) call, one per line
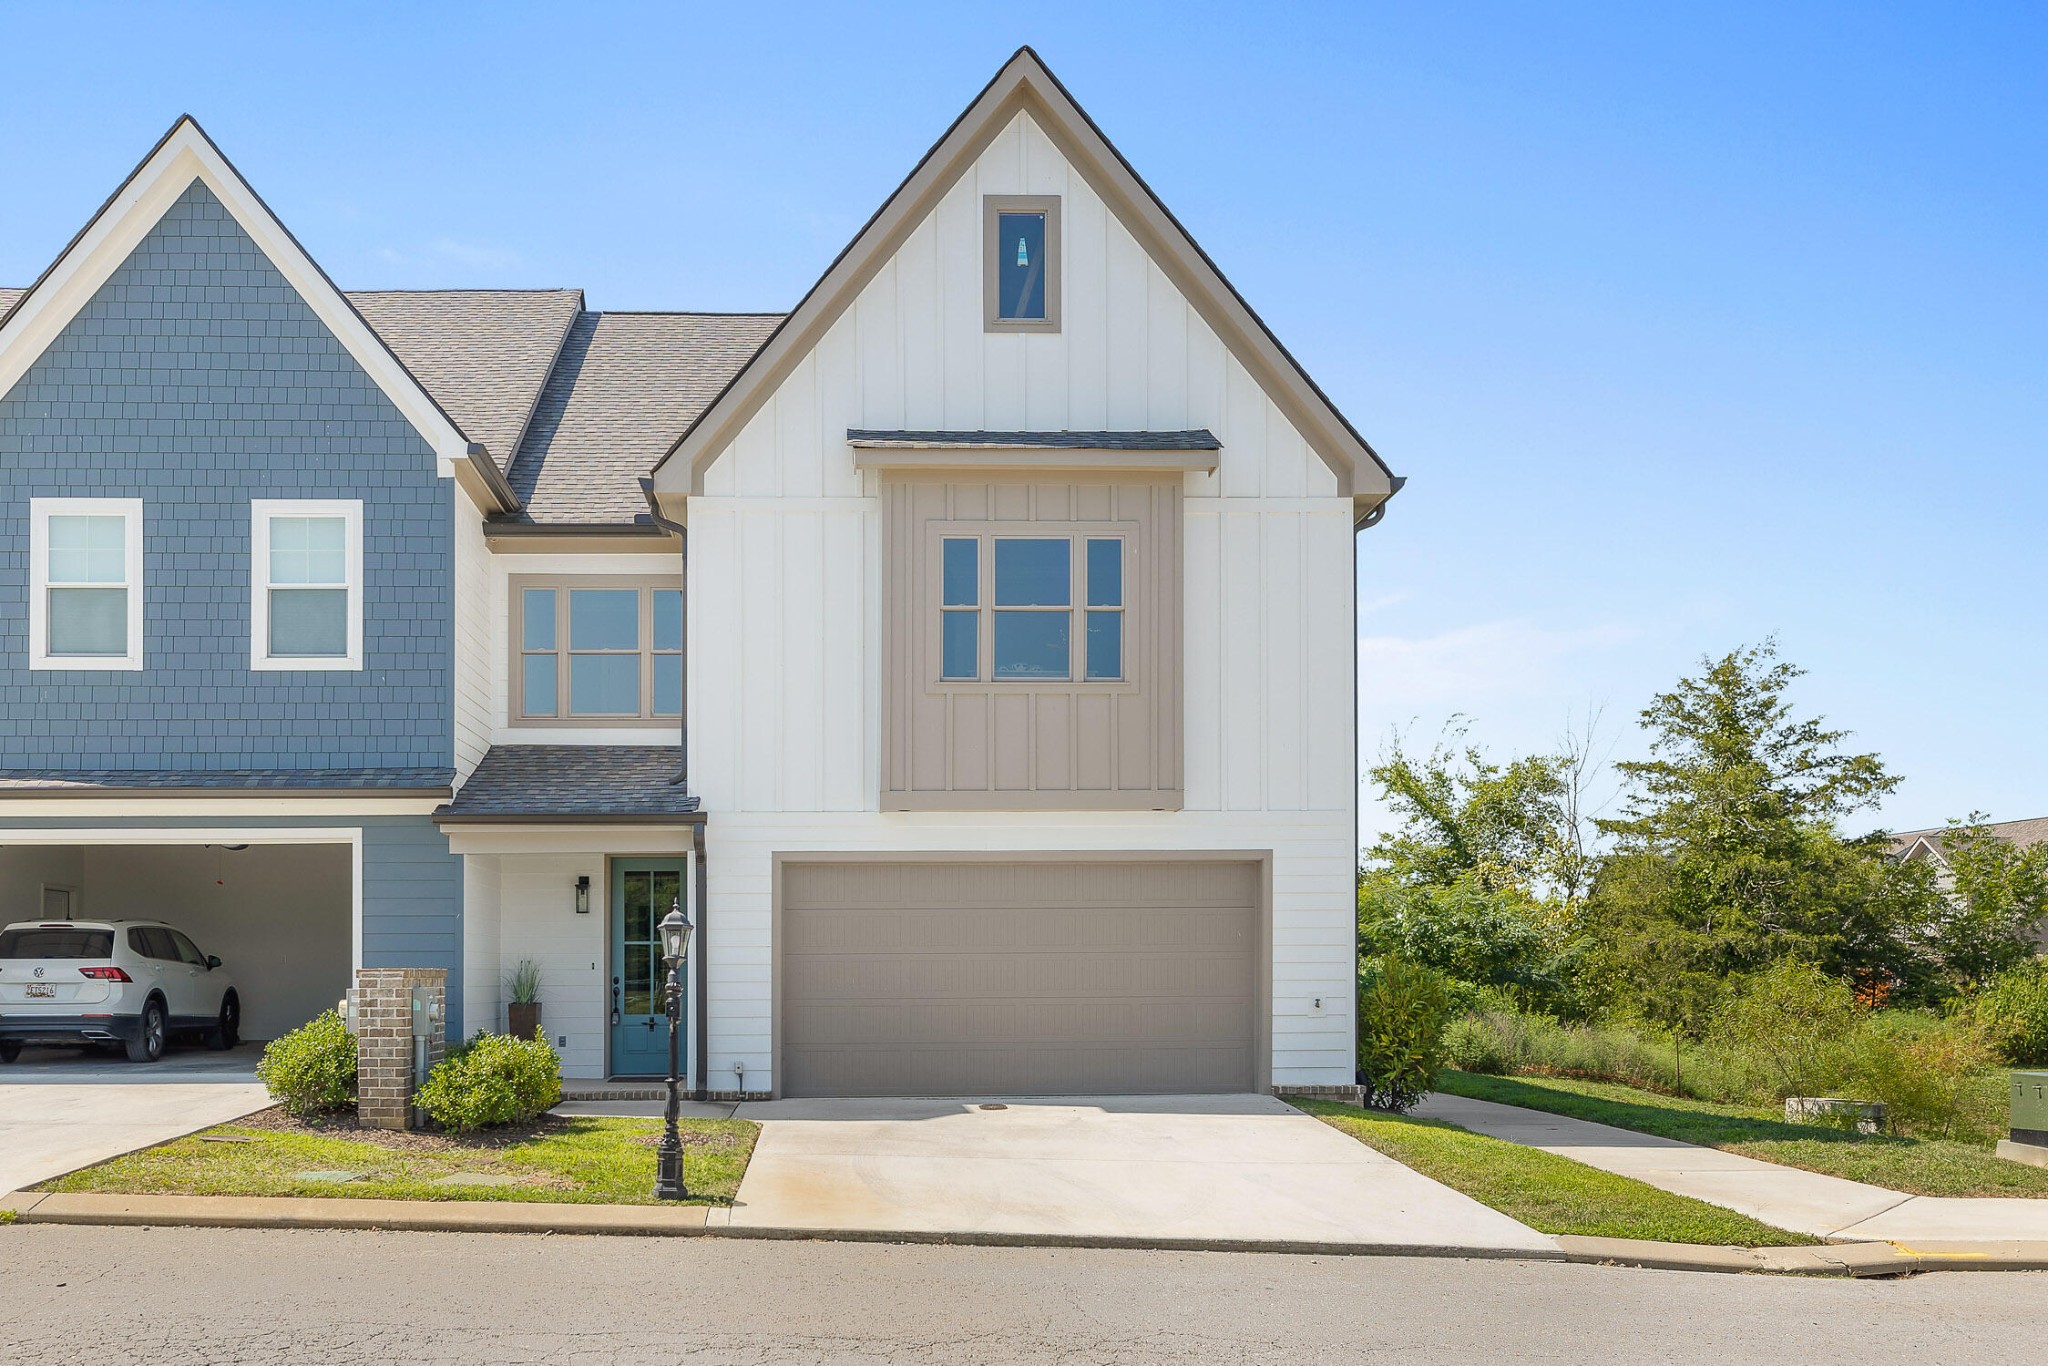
point(1930, 846)
point(999, 737)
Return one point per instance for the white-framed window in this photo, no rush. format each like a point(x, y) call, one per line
point(1031, 608)
point(85, 583)
point(305, 583)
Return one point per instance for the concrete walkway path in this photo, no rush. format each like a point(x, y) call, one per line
point(1163, 1169)
point(1784, 1197)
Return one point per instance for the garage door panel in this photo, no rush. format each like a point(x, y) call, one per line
point(900, 977)
point(1024, 978)
point(838, 931)
point(1169, 1024)
point(953, 1071)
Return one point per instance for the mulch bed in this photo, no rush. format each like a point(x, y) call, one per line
point(345, 1125)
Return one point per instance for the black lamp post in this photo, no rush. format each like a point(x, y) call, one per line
point(675, 946)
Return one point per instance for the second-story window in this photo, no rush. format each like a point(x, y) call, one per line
point(596, 651)
point(306, 584)
point(1020, 263)
point(1009, 609)
point(85, 592)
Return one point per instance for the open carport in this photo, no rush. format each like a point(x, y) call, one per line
point(278, 912)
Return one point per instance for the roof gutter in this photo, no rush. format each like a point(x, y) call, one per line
point(1374, 515)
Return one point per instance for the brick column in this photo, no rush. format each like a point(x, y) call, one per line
point(384, 1048)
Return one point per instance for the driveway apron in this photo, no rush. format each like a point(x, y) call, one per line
point(1195, 1168)
point(61, 1110)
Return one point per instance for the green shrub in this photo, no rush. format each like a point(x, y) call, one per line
point(1403, 1009)
point(1793, 1028)
point(495, 1079)
point(2013, 1013)
point(312, 1069)
point(1927, 1071)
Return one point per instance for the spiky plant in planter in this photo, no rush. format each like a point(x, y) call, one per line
point(522, 992)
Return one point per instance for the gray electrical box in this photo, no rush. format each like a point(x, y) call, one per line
point(346, 1008)
point(2030, 1108)
point(426, 1013)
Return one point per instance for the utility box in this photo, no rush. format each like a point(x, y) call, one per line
point(2030, 1108)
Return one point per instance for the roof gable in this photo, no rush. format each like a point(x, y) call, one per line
point(1024, 85)
point(41, 313)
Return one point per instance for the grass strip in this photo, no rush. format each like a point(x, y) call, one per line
point(1550, 1194)
point(573, 1160)
point(1916, 1166)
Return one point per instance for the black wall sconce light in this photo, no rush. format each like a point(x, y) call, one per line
point(583, 894)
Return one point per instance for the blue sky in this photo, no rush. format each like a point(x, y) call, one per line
point(1687, 327)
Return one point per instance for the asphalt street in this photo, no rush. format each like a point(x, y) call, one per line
point(218, 1295)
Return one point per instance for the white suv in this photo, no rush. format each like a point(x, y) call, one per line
point(131, 982)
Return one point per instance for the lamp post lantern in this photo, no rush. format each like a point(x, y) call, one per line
point(675, 947)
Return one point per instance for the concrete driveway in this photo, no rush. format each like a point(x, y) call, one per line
point(66, 1108)
point(1156, 1168)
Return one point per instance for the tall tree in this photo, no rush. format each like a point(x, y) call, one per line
point(1729, 854)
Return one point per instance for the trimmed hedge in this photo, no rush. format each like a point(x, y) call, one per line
point(311, 1070)
point(495, 1079)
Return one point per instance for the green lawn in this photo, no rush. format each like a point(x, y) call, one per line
point(1917, 1166)
point(583, 1161)
point(1550, 1194)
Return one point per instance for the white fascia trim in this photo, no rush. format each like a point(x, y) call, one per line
point(184, 156)
point(40, 510)
point(283, 804)
point(647, 840)
point(261, 510)
point(352, 836)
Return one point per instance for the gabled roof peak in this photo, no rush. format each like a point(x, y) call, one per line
point(1026, 84)
point(185, 154)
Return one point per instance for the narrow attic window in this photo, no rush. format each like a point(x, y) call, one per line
point(1021, 262)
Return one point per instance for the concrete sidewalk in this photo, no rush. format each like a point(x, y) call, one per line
point(1784, 1197)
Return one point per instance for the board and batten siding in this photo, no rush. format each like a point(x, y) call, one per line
point(786, 604)
point(1078, 745)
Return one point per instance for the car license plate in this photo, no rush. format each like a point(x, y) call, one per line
point(45, 991)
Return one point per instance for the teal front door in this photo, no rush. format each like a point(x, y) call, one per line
point(643, 891)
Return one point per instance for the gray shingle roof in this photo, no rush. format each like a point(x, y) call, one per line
point(624, 388)
point(577, 782)
point(484, 354)
point(2022, 833)
point(114, 781)
point(575, 407)
point(7, 298)
point(1197, 440)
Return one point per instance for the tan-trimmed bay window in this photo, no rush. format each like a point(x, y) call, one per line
point(596, 651)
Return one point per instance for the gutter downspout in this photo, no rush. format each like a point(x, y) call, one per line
point(702, 1091)
point(1365, 523)
point(682, 534)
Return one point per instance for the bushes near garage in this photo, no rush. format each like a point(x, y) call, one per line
point(311, 1070)
point(1403, 1009)
point(494, 1079)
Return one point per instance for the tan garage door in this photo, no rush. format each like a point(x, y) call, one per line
point(1082, 978)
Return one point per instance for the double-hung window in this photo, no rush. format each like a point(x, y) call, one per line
point(306, 584)
point(85, 590)
point(1030, 608)
point(597, 651)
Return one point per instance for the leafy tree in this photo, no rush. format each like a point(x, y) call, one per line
point(1997, 892)
point(1477, 880)
point(1728, 856)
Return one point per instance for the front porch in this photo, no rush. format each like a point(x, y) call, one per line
point(571, 855)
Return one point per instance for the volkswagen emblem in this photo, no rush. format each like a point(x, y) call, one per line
point(39, 972)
